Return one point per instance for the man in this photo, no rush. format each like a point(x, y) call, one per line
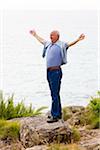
point(56, 55)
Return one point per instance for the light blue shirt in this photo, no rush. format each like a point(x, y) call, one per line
point(53, 56)
point(61, 55)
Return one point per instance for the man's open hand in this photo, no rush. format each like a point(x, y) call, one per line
point(81, 37)
point(33, 32)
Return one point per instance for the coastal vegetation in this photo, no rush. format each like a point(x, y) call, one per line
point(64, 147)
point(77, 117)
point(9, 130)
point(9, 110)
point(89, 116)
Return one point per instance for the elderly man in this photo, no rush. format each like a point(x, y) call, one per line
point(56, 55)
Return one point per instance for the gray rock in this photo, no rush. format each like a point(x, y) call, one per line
point(90, 139)
point(41, 147)
point(36, 131)
point(11, 146)
point(75, 109)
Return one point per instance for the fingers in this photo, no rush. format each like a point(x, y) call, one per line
point(32, 32)
point(82, 35)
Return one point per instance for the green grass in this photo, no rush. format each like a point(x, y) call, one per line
point(9, 130)
point(66, 113)
point(76, 134)
point(94, 104)
point(57, 147)
point(8, 110)
point(93, 112)
point(64, 147)
point(91, 116)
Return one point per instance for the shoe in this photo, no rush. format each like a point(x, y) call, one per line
point(59, 117)
point(51, 120)
point(49, 116)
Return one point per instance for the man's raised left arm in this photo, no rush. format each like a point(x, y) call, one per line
point(81, 37)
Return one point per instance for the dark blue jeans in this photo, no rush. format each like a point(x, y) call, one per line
point(54, 80)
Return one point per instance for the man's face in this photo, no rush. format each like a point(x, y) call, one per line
point(54, 36)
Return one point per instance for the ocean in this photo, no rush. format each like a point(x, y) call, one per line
point(24, 70)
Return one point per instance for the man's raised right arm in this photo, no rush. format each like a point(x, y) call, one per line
point(41, 40)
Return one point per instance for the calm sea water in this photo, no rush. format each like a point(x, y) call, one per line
point(24, 74)
point(24, 69)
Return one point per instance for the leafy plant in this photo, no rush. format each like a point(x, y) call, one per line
point(91, 115)
point(94, 104)
point(8, 110)
point(76, 134)
point(66, 113)
point(94, 111)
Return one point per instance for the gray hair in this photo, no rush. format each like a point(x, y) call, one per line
point(56, 31)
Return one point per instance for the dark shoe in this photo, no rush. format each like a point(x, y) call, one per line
point(59, 117)
point(49, 116)
point(51, 120)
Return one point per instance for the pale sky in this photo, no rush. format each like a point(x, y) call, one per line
point(16, 25)
point(49, 4)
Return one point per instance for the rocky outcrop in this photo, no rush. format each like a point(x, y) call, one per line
point(37, 134)
point(4, 145)
point(75, 115)
point(90, 139)
point(40, 147)
point(36, 131)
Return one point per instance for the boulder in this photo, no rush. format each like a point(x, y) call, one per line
point(75, 109)
point(11, 146)
point(40, 147)
point(77, 112)
point(90, 139)
point(36, 131)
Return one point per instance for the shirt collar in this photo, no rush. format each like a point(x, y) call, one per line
point(56, 43)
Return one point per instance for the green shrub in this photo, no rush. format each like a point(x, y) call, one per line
point(8, 110)
point(91, 115)
point(94, 104)
point(94, 111)
point(76, 134)
point(9, 130)
point(92, 120)
point(66, 113)
point(95, 123)
point(2, 106)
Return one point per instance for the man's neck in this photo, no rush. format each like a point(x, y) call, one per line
point(55, 42)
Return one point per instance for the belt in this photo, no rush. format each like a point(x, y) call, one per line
point(53, 68)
